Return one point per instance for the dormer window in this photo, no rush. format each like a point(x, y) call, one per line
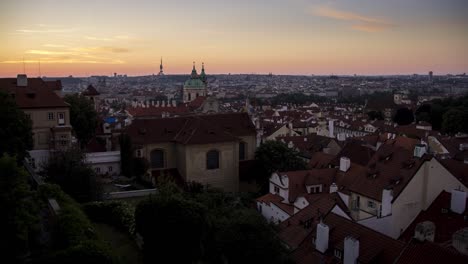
point(338, 253)
point(276, 189)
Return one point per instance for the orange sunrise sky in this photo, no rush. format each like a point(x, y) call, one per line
point(83, 38)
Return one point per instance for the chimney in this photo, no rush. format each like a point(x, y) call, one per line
point(333, 188)
point(460, 240)
point(321, 240)
point(425, 231)
point(419, 150)
point(331, 129)
point(351, 250)
point(22, 80)
point(345, 163)
point(458, 202)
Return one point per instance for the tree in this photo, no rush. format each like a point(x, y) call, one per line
point(274, 156)
point(19, 212)
point(455, 120)
point(170, 225)
point(403, 116)
point(16, 132)
point(375, 115)
point(242, 235)
point(140, 167)
point(83, 117)
point(69, 170)
point(126, 155)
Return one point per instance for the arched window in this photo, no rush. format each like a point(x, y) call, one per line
point(212, 160)
point(242, 148)
point(189, 96)
point(157, 159)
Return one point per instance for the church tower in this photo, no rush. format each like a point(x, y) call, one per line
point(195, 86)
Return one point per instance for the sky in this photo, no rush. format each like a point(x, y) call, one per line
point(364, 37)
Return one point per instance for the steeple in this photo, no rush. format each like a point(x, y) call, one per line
point(194, 74)
point(202, 74)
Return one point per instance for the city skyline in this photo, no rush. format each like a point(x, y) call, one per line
point(282, 37)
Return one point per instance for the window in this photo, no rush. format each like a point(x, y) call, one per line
point(371, 204)
point(98, 170)
point(138, 153)
point(61, 118)
point(276, 189)
point(212, 160)
point(50, 116)
point(157, 159)
point(189, 96)
point(338, 253)
point(109, 169)
point(242, 151)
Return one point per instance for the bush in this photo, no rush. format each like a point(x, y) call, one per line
point(74, 239)
point(114, 213)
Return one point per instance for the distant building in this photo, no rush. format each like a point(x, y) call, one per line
point(430, 76)
point(93, 95)
point(195, 86)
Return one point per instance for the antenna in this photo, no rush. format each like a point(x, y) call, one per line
point(40, 69)
point(24, 67)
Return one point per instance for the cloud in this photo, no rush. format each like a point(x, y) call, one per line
point(102, 49)
point(54, 45)
point(48, 52)
point(360, 22)
point(67, 60)
point(45, 30)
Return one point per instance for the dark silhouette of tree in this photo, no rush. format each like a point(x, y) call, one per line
point(69, 170)
point(274, 156)
point(19, 212)
point(455, 120)
point(126, 155)
point(16, 133)
point(403, 116)
point(83, 117)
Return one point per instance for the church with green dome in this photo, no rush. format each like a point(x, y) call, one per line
point(195, 86)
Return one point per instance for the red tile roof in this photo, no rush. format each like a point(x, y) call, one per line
point(374, 247)
point(90, 91)
point(446, 221)
point(37, 94)
point(426, 252)
point(196, 129)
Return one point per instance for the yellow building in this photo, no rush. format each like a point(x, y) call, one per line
point(202, 148)
point(49, 113)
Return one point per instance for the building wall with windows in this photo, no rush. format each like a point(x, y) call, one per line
point(227, 173)
point(43, 122)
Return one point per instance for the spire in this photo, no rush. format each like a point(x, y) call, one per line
point(194, 74)
point(202, 74)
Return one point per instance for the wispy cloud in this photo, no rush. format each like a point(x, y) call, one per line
point(102, 49)
point(67, 60)
point(359, 22)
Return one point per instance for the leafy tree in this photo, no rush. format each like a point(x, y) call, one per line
point(69, 170)
point(18, 209)
point(216, 227)
point(170, 225)
point(403, 116)
point(126, 155)
point(243, 235)
point(140, 167)
point(83, 117)
point(455, 120)
point(375, 115)
point(16, 133)
point(274, 156)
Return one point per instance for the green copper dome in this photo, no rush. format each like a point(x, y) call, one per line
point(194, 84)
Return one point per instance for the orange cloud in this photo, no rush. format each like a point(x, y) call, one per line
point(360, 22)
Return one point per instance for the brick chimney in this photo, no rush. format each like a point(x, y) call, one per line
point(22, 80)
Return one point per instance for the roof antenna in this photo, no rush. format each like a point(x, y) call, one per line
point(40, 69)
point(24, 67)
